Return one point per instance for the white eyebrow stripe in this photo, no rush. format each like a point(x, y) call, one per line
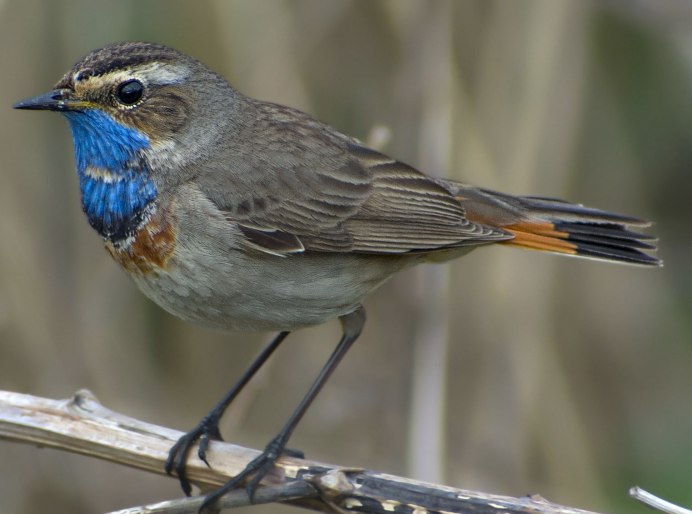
point(163, 73)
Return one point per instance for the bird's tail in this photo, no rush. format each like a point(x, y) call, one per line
point(552, 225)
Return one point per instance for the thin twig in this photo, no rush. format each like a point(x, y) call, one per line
point(657, 503)
point(237, 498)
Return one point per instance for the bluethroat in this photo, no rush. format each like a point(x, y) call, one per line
point(239, 214)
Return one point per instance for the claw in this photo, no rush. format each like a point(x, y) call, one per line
point(176, 462)
point(177, 456)
point(202, 450)
point(258, 468)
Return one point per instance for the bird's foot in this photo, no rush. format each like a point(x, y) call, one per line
point(206, 430)
point(257, 469)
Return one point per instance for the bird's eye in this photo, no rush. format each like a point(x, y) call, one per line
point(129, 92)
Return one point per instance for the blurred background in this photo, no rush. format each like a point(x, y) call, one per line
point(509, 371)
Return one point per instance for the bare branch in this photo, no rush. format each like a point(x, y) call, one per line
point(82, 425)
point(657, 503)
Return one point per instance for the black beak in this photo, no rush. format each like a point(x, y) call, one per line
point(56, 100)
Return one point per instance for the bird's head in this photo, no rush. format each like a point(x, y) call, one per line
point(130, 96)
point(139, 113)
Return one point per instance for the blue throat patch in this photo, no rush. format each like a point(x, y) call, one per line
point(113, 177)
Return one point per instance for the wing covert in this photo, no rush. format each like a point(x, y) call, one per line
point(309, 188)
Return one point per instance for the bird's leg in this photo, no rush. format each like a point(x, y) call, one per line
point(259, 467)
point(208, 428)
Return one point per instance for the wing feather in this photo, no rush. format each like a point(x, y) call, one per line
point(306, 187)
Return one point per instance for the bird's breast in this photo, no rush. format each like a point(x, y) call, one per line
point(150, 248)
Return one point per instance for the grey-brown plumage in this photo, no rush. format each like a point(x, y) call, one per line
point(240, 214)
point(292, 184)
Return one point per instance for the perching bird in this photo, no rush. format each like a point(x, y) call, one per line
point(239, 214)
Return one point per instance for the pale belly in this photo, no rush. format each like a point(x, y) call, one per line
point(258, 292)
point(204, 275)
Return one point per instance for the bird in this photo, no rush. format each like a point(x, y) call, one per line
point(239, 214)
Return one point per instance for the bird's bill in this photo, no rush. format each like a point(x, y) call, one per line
point(56, 100)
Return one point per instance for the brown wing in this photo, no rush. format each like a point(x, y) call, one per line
point(407, 211)
point(310, 188)
point(371, 204)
